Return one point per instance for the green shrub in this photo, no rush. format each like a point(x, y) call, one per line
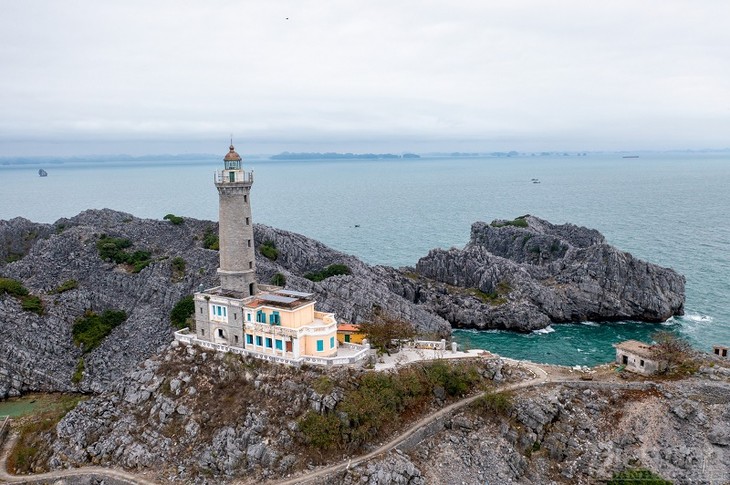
point(378, 401)
point(91, 329)
point(278, 280)
point(67, 285)
point(13, 257)
point(331, 270)
point(78, 374)
point(182, 311)
point(32, 303)
point(12, 287)
point(15, 288)
point(498, 403)
point(268, 250)
point(210, 240)
point(455, 380)
point(518, 222)
point(321, 431)
point(176, 220)
point(112, 248)
point(178, 265)
point(637, 476)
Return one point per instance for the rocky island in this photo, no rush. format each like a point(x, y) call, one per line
point(188, 414)
point(521, 275)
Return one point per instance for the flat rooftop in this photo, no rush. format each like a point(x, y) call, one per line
point(637, 348)
point(285, 299)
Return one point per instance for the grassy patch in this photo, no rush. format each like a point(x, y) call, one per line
point(182, 312)
point(15, 288)
point(268, 250)
point(637, 476)
point(176, 220)
point(32, 303)
point(115, 249)
point(78, 374)
point(13, 257)
point(12, 287)
point(91, 329)
point(380, 401)
point(67, 285)
point(329, 271)
point(31, 452)
point(495, 402)
point(495, 298)
point(178, 266)
point(518, 222)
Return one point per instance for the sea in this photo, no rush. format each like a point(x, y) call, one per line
point(671, 209)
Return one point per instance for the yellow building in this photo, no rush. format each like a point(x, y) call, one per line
point(347, 333)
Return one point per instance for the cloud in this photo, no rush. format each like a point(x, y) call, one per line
point(618, 75)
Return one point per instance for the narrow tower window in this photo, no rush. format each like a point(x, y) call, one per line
point(250, 265)
point(245, 198)
point(249, 243)
point(247, 221)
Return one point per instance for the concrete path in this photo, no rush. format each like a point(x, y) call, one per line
point(119, 476)
point(540, 377)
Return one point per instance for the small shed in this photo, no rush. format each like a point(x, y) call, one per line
point(639, 357)
point(347, 333)
point(720, 351)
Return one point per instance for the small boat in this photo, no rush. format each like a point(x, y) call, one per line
point(630, 156)
point(357, 225)
point(42, 173)
point(535, 181)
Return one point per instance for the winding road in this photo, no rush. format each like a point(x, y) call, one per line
point(540, 377)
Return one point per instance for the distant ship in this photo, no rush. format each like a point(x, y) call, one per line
point(42, 173)
point(631, 156)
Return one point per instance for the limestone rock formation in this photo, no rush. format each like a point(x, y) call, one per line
point(37, 352)
point(528, 273)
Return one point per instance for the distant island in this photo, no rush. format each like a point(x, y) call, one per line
point(340, 156)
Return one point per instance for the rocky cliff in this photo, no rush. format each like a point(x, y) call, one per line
point(523, 275)
point(195, 416)
point(527, 273)
point(37, 351)
point(574, 434)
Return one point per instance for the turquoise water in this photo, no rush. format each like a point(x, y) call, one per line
point(671, 209)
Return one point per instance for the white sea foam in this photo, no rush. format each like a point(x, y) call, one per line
point(698, 318)
point(591, 324)
point(548, 329)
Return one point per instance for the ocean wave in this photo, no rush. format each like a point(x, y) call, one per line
point(548, 329)
point(698, 318)
point(591, 324)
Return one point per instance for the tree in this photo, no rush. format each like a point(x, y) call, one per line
point(675, 351)
point(386, 332)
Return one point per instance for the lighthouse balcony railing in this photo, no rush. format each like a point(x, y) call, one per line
point(232, 177)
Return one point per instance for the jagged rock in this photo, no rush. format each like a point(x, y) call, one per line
point(37, 352)
point(525, 278)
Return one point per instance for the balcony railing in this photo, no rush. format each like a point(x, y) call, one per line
point(224, 177)
point(356, 353)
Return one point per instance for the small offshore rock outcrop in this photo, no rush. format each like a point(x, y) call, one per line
point(528, 273)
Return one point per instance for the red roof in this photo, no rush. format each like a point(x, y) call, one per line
point(348, 327)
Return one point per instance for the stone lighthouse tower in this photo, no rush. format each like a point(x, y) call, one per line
point(237, 269)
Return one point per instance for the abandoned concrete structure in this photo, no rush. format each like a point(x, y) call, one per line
point(720, 351)
point(638, 357)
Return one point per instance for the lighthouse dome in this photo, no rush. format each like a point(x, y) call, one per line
point(232, 155)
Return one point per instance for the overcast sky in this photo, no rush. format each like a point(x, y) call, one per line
point(177, 76)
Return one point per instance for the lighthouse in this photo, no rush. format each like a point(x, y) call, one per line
point(237, 267)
